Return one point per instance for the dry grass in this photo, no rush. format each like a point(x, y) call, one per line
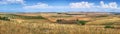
point(38, 27)
point(105, 20)
point(43, 26)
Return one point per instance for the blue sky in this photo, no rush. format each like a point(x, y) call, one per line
point(59, 5)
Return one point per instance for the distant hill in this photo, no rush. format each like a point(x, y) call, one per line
point(116, 13)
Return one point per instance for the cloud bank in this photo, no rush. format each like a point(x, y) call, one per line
point(111, 5)
point(12, 1)
point(85, 6)
point(81, 5)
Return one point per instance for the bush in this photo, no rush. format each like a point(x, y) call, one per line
point(109, 26)
point(32, 17)
point(4, 18)
point(59, 13)
point(59, 20)
point(82, 22)
point(101, 16)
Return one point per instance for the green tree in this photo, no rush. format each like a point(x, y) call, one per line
point(59, 20)
point(82, 22)
point(109, 26)
point(4, 18)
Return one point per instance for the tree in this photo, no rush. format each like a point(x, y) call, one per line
point(82, 22)
point(59, 20)
point(109, 26)
point(4, 18)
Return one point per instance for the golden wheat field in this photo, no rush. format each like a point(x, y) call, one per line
point(43, 24)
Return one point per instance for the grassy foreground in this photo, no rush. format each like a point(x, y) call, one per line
point(52, 28)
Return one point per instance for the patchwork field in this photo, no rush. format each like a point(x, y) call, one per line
point(52, 23)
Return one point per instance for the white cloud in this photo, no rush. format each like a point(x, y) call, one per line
point(71, 5)
point(44, 6)
point(109, 5)
point(37, 6)
point(81, 5)
point(12, 1)
point(15, 1)
point(77, 5)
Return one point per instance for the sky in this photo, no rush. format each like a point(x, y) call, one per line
point(59, 5)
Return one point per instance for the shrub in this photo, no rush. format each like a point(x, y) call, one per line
point(4, 18)
point(101, 16)
point(59, 20)
point(59, 13)
point(82, 22)
point(109, 26)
